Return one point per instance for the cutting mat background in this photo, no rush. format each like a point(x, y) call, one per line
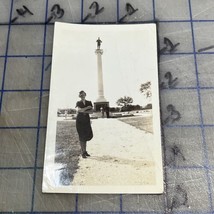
point(188, 122)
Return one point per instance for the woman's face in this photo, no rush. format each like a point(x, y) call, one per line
point(82, 96)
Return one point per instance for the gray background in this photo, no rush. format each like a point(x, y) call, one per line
point(25, 55)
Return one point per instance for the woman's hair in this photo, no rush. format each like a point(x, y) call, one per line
point(81, 93)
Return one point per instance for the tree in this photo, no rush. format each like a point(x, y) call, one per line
point(124, 101)
point(145, 89)
point(148, 106)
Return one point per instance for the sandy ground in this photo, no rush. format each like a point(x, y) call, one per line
point(120, 155)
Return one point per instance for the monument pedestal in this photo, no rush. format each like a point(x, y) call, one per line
point(98, 105)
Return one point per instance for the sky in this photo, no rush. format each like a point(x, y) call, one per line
point(129, 59)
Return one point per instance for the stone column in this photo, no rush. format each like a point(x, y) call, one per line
point(101, 97)
point(101, 101)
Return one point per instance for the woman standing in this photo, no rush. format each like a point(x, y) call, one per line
point(83, 123)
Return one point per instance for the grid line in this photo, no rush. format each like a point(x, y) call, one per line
point(200, 110)
point(98, 212)
point(112, 212)
point(24, 90)
point(40, 106)
point(25, 56)
point(165, 126)
point(5, 60)
point(162, 89)
point(76, 203)
point(23, 127)
point(118, 11)
point(81, 12)
point(19, 168)
point(121, 203)
point(154, 20)
point(162, 54)
point(187, 53)
point(154, 12)
point(211, 167)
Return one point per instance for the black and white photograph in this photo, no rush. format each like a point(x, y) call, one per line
point(103, 131)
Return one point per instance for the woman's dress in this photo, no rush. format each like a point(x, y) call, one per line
point(83, 123)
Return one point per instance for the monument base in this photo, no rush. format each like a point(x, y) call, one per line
point(98, 105)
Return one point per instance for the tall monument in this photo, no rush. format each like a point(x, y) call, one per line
point(101, 101)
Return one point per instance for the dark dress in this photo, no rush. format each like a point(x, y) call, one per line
point(83, 123)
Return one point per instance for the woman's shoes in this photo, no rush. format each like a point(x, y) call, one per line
point(85, 155)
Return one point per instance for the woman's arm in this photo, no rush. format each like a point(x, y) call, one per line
point(88, 108)
point(90, 111)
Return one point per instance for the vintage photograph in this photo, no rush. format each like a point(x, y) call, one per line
point(103, 131)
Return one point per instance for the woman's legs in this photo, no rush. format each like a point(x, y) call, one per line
point(86, 153)
point(83, 145)
point(83, 148)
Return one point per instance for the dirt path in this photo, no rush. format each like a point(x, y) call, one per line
point(120, 155)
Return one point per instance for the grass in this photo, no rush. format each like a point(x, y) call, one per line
point(67, 150)
point(139, 122)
